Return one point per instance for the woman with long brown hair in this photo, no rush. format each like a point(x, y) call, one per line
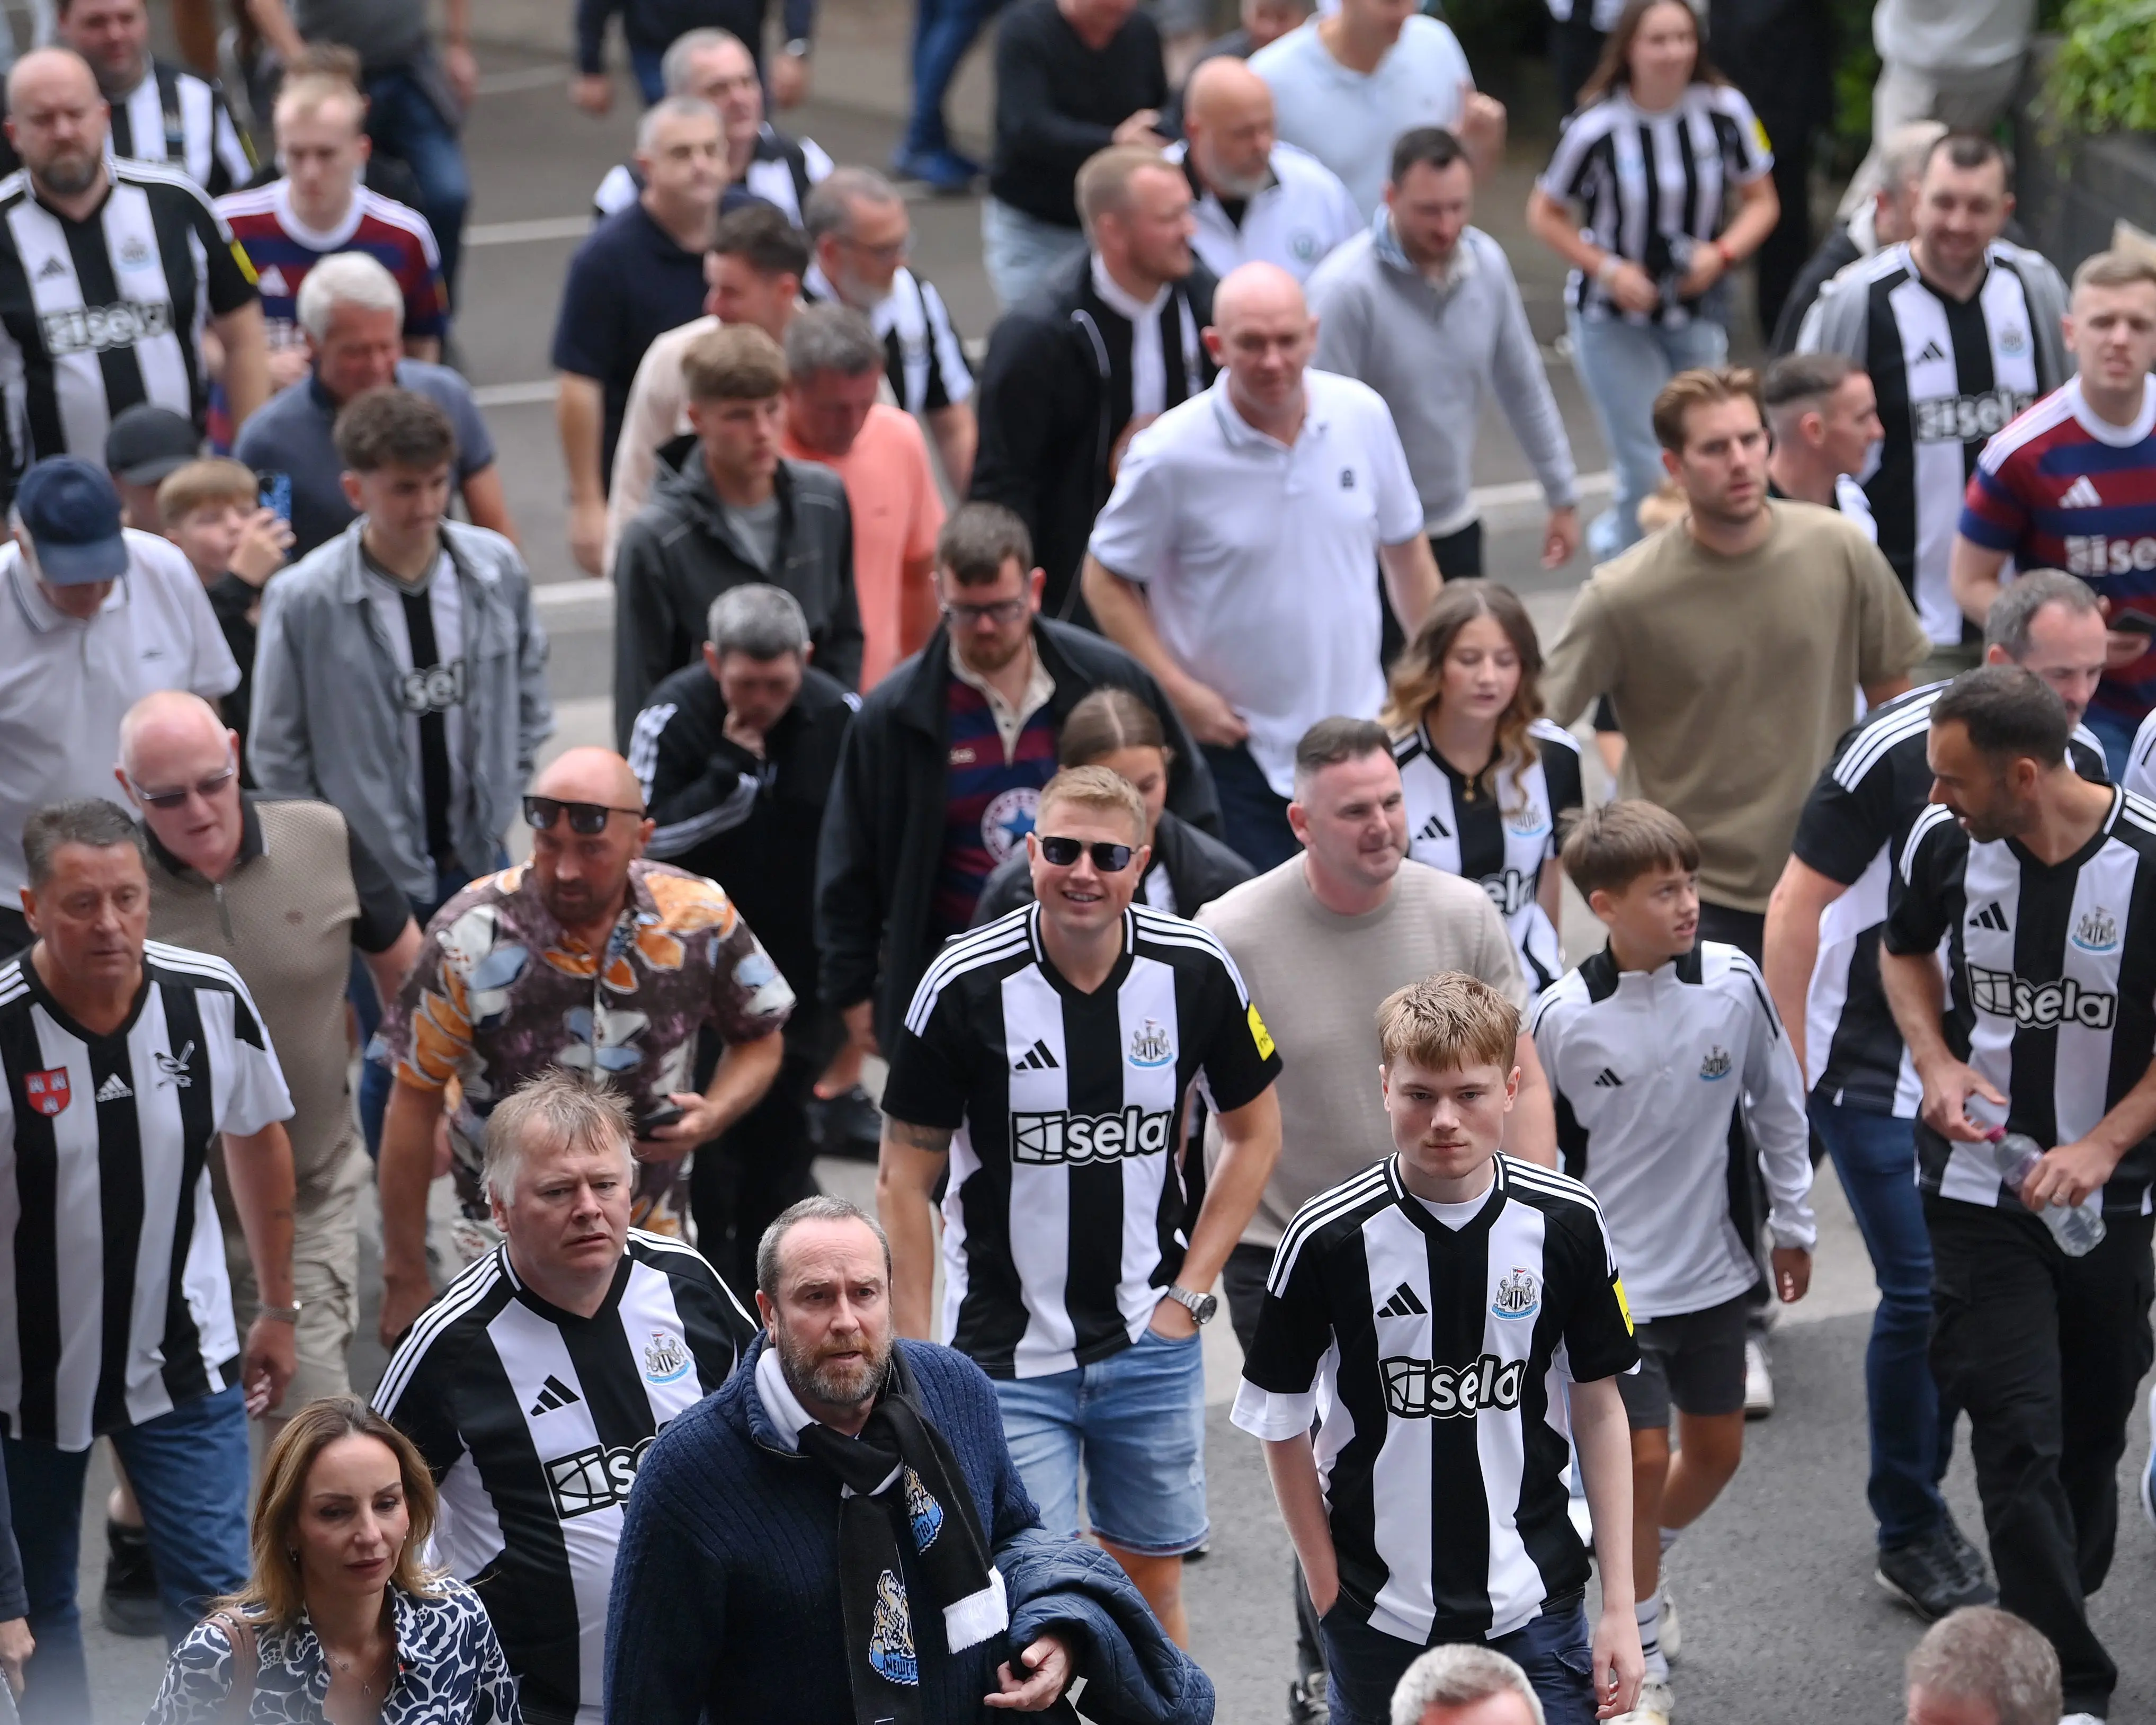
point(1486, 777)
point(1660, 187)
point(341, 1620)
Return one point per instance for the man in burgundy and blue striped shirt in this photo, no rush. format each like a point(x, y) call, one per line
point(2070, 484)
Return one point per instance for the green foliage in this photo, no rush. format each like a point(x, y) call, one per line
point(1856, 70)
point(2104, 77)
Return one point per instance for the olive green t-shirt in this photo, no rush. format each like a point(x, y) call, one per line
point(1734, 676)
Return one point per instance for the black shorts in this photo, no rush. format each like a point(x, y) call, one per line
point(1695, 1359)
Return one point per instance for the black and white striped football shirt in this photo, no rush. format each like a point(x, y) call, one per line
point(176, 118)
point(1650, 186)
point(110, 1255)
point(1498, 830)
point(1852, 827)
point(2051, 992)
point(98, 314)
point(1439, 1350)
point(534, 1421)
point(1064, 1216)
point(923, 357)
point(1949, 373)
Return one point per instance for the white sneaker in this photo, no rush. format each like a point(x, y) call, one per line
point(1655, 1706)
point(1759, 1381)
point(1669, 1635)
point(2147, 1480)
point(2080, 1719)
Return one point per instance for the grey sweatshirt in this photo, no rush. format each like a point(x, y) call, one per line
point(1435, 354)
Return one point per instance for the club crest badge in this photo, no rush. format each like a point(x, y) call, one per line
point(1518, 1296)
point(925, 1513)
point(46, 1091)
point(2097, 932)
point(1716, 1065)
point(891, 1635)
point(664, 1358)
point(1151, 1044)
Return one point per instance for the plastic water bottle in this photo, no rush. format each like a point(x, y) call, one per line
point(2077, 1228)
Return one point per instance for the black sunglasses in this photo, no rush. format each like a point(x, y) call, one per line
point(1108, 859)
point(585, 817)
point(205, 788)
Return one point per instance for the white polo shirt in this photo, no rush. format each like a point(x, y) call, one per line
point(1348, 120)
point(65, 684)
point(1293, 222)
point(1260, 560)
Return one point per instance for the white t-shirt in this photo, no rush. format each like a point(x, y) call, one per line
point(1952, 35)
point(1348, 120)
point(1295, 222)
point(1260, 559)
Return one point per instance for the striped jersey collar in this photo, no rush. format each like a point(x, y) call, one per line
point(1032, 914)
point(1601, 974)
point(1412, 1207)
point(561, 1314)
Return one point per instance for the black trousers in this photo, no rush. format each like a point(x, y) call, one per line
point(744, 1179)
point(15, 935)
point(2044, 1353)
point(1458, 554)
point(1746, 930)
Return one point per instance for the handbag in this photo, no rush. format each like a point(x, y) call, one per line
point(246, 1656)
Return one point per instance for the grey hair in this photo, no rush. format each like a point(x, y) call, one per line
point(1981, 1653)
point(674, 64)
point(1458, 1675)
point(830, 338)
point(95, 821)
point(762, 621)
point(347, 279)
point(556, 1110)
point(1908, 149)
point(666, 108)
point(2007, 623)
point(822, 1207)
point(831, 207)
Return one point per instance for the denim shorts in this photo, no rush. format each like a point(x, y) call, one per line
point(1137, 1420)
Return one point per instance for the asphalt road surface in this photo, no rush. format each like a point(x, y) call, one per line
point(1782, 1624)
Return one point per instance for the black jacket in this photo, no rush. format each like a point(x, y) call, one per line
point(883, 832)
point(751, 825)
point(1200, 867)
point(678, 554)
point(1052, 401)
point(1835, 253)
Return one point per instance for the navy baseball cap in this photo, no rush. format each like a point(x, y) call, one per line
point(145, 443)
point(71, 514)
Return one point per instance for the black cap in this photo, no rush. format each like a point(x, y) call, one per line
point(147, 443)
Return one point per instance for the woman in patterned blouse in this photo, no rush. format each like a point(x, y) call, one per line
point(346, 1624)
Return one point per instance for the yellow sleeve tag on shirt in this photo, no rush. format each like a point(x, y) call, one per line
point(1260, 1034)
point(246, 264)
point(1624, 1304)
point(1759, 135)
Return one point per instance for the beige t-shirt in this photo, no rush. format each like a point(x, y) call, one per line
point(1317, 980)
point(1733, 677)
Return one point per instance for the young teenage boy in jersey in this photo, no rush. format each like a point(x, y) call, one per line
point(1653, 1046)
point(1059, 1046)
point(1426, 1295)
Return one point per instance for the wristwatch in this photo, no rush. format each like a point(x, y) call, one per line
point(281, 1314)
point(1200, 1307)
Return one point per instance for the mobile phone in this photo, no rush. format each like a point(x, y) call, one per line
point(2131, 623)
point(274, 492)
point(665, 1114)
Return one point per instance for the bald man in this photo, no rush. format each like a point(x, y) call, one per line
point(592, 957)
point(1258, 201)
point(287, 893)
point(1233, 560)
point(151, 261)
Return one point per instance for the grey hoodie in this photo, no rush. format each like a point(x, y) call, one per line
point(1435, 354)
point(327, 721)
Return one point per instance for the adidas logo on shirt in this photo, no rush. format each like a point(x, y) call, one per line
point(1404, 1303)
point(1932, 351)
point(553, 1394)
point(2081, 494)
point(1991, 916)
point(272, 281)
point(1607, 1079)
point(114, 1090)
point(1434, 829)
point(50, 268)
point(1036, 1059)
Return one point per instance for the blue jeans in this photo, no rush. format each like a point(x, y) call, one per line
point(1623, 367)
point(375, 1076)
point(2115, 731)
point(1019, 251)
point(1911, 1435)
point(943, 30)
point(644, 63)
point(189, 1470)
point(1253, 814)
point(1138, 1421)
point(405, 121)
point(1364, 1666)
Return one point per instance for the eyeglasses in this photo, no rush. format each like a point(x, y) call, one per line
point(205, 788)
point(1108, 859)
point(585, 817)
point(1004, 612)
point(891, 252)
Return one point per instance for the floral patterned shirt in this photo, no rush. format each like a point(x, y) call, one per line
point(501, 992)
point(449, 1669)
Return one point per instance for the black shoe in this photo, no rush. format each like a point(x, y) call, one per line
point(1970, 1558)
point(1199, 1554)
point(1308, 1702)
point(851, 1126)
point(129, 1605)
point(1929, 1576)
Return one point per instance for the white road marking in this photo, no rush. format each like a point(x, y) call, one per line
point(547, 228)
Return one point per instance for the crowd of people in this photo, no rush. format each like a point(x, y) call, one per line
point(1124, 756)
